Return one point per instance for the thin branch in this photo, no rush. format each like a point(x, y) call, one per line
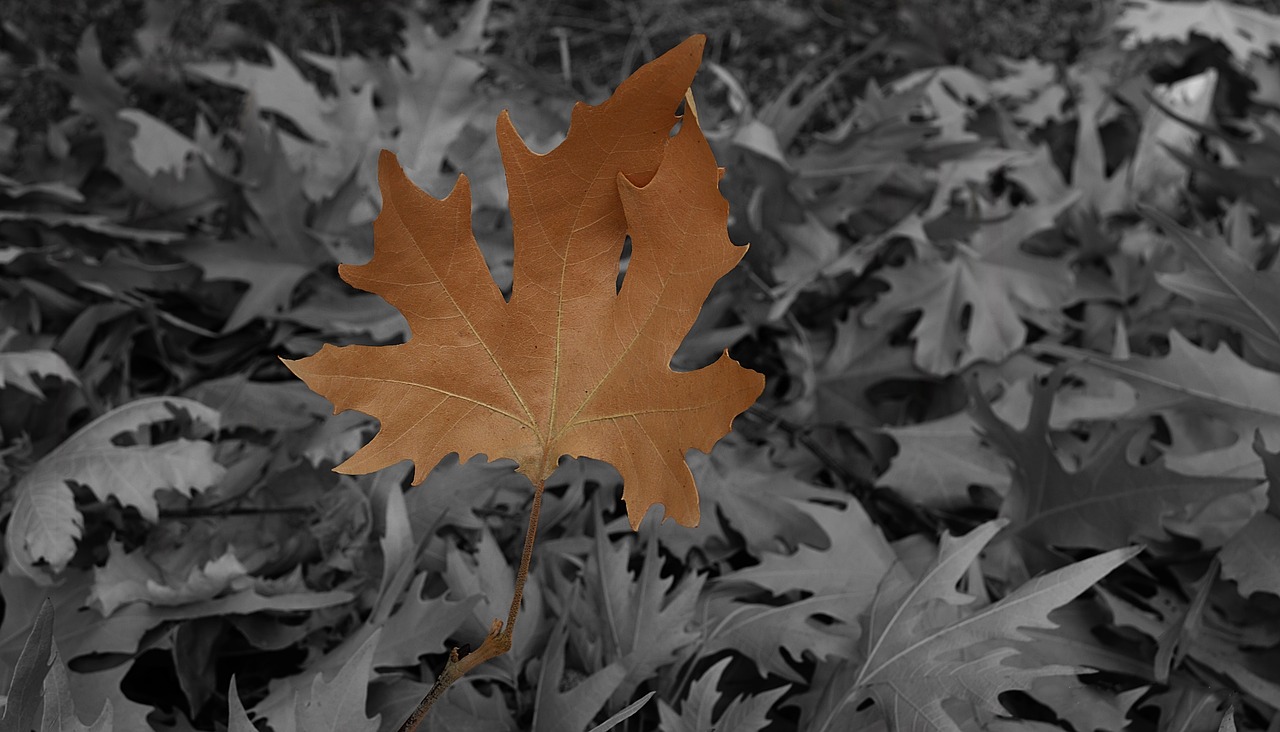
point(498, 641)
point(863, 490)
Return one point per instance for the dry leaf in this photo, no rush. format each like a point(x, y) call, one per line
point(571, 365)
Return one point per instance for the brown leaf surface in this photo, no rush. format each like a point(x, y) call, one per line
point(570, 365)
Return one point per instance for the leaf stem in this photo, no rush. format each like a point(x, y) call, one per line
point(498, 641)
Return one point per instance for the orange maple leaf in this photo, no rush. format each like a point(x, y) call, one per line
point(571, 365)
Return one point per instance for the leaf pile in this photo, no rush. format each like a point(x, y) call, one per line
point(1014, 464)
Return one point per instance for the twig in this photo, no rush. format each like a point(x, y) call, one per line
point(214, 512)
point(193, 512)
point(498, 641)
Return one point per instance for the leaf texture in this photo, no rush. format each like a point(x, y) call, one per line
point(570, 365)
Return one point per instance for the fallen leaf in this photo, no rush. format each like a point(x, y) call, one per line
point(1243, 30)
point(746, 713)
point(1195, 382)
point(435, 95)
point(647, 619)
point(22, 703)
point(1225, 287)
point(421, 625)
point(337, 704)
point(570, 365)
point(1251, 671)
point(1107, 502)
point(972, 304)
point(1156, 175)
point(937, 461)
point(60, 706)
point(1252, 556)
point(741, 490)
point(45, 509)
point(910, 667)
point(237, 717)
point(557, 709)
point(169, 175)
point(860, 358)
point(95, 223)
point(839, 583)
point(952, 93)
point(18, 367)
point(278, 87)
point(132, 577)
point(271, 275)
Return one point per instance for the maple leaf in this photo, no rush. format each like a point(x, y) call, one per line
point(972, 304)
point(570, 365)
point(911, 664)
point(416, 627)
point(1107, 502)
point(81, 630)
point(45, 523)
point(420, 625)
point(340, 130)
point(274, 193)
point(96, 223)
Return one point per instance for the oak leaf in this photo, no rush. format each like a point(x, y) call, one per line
point(572, 364)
